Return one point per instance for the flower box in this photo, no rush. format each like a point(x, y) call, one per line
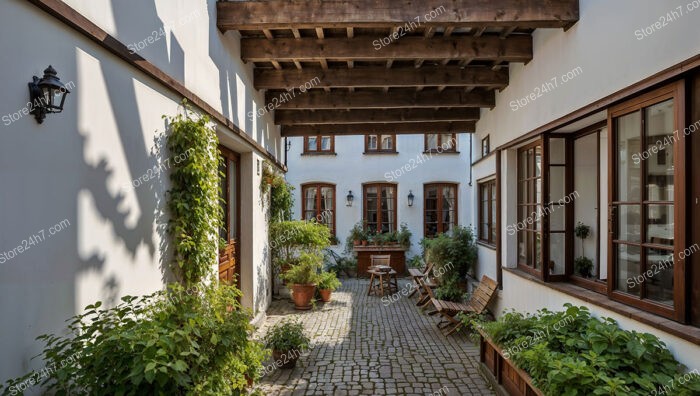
point(505, 377)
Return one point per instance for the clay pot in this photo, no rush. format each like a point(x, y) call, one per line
point(287, 360)
point(364, 243)
point(356, 243)
point(302, 295)
point(325, 295)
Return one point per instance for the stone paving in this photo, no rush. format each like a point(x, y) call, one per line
point(366, 345)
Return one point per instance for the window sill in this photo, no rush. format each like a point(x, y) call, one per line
point(317, 154)
point(686, 332)
point(486, 245)
point(381, 153)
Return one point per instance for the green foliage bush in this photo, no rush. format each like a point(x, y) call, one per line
point(169, 343)
point(286, 336)
point(328, 281)
point(305, 271)
point(289, 238)
point(572, 353)
point(194, 197)
point(452, 253)
point(449, 289)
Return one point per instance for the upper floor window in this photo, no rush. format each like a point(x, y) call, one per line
point(319, 144)
point(318, 202)
point(440, 208)
point(380, 144)
point(441, 143)
point(487, 212)
point(379, 207)
point(485, 146)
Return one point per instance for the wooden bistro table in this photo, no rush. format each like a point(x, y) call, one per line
point(365, 253)
point(386, 278)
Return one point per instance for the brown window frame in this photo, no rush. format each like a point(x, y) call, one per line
point(535, 268)
point(676, 92)
point(319, 149)
point(440, 149)
point(379, 150)
point(486, 144)
point(487, 218)
point(379, 187)
point(439, 209)
point(318, 211)
point(227, 156)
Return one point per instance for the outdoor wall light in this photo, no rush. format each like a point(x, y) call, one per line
point(411, 197)
point(47, 95)
point(349, 199)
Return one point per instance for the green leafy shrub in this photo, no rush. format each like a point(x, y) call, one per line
point(572, 353)
point(286, 336)
point(415, 262)
point(196, 215)
point(289, 238)
point(449, 289)
point(328, 281)
point(305, 272)
point(583, 266)
point(404, 235)
point(168, 343)
point(452, 253)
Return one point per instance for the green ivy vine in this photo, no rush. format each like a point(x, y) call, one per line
point(281, 193)
point(196, 215)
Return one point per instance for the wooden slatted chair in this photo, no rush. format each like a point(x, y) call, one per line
point(380, 269)
point(477, 304)
point(417, 275)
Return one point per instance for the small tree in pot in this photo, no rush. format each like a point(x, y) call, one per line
point(302, 279)
point(287, 341)
point(327, 284)
point(583, 265)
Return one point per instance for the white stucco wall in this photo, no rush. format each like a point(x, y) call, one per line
point(350, 168)
point(608, 57)
point(75, 166)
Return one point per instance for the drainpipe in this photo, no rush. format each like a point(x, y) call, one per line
point(471, 137)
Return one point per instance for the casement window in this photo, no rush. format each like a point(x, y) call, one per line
point(530, 209)
point(487, 212)
point(441, 143)
point(379, 207)
point(319, 144)
point(439, 208)
point(647, 202)
point(380, 143)
point(318, 202)
point(485, 146)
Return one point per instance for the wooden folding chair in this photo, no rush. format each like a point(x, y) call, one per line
point(380, 269)
point(477, 304)
point(417, 274)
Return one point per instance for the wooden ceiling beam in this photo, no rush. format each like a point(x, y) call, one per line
point(281, 14)
point(372, 128)
point(489, 48)
point(449, 76)
point(394, 99)
point(318, 117)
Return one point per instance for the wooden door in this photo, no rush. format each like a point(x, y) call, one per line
point(229, 271)
point(694, 205)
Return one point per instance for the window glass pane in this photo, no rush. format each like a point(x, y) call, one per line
point(311, 143)
point(310, 202)
point(523, 170)
point(432, 142)
point(538, 250)
point(388, 209)
point(387, 142)
point(325, 214)
point(628, 147)
point(524, 192)
point(223, 233)
point(557, 151)
point(447, 142)
point(233, 204)
point(522, 250)
point(371, 207)
point(628, 267)
point(557, 253)
point(660, 140)
point(372, 142)
point(538, 161)
point(659, 276)
point(557, 183)
point(660, 224)
point(326, 143)
point(629, 225)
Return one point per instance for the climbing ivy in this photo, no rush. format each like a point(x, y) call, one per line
point(281, 193)
point(196, 215)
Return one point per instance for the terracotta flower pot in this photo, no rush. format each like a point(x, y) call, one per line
point(286, 359)
point(302, 295)
point(364, 243)
point(356, 243)
point(325, 295)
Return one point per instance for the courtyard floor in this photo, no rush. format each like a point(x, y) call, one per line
point(363, 345)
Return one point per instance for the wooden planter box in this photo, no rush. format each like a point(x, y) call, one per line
point(364, 253)
point(502, 373)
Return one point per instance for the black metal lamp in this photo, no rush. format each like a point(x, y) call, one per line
point(411, 197)
point(47, 94)
point(349, 199)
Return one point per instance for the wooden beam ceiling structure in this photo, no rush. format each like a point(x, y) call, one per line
point(354, 67)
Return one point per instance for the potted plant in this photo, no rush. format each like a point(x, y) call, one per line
point(357, 234)
point(287, 340)
point(583, 265)
point(327, 283)
point(302, 278)
point(403, 237)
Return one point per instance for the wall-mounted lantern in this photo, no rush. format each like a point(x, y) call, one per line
point(349, 199)
point(47, 94)
point(411, 197)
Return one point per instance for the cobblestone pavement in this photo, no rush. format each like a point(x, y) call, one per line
point(363, 345)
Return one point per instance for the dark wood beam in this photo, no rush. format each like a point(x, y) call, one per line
point(281, 14)
point(362, 129)
point(491, 48)
point(451, 76)
point(306, 117)
point(394, 99)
